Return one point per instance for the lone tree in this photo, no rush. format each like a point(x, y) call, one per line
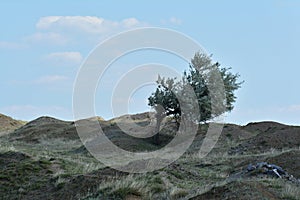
point(201, 78)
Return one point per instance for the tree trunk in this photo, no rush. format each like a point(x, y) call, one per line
point(157, 127)
point(160, 115)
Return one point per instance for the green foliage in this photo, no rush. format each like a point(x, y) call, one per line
point(164, 99)
point(213, 86)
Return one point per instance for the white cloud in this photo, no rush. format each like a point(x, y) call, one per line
point(51, 79)
point(86, 24)
point(64, 58)
point(176, 21)
point(78, 30)
point(73, 30)
point(290, 108)
point(130, 22)
point(45, 22)
point(172, 20)
point(51, 38)
point(11, 45)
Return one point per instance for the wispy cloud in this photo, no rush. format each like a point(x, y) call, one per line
point(64, 30)
point(49, 38)
point(87, 24)
point(64, 58)
point(175, 21)
point(11, 45)
point(131, 22)
point(290, 108)
point(172, 20)
point(51, 79)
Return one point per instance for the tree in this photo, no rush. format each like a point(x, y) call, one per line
point(202, 77)
point(164, 102)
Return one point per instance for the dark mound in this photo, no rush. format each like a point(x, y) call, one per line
point(45, 120)
point(22, 177)
point(43, 128)
point(264, 127)
point(11, 157)
point(82, 185)
point(269, 135)
point(236, 133)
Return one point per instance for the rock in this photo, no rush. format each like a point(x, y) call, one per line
point(251, 167)
point(273, 173)
point(263, 169)
point(261, 165)
point(278, 169)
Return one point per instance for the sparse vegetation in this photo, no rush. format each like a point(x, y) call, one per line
point(291, 192)
point(59, 167)
point(7, 124)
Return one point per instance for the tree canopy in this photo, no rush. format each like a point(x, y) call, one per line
point(213, 86)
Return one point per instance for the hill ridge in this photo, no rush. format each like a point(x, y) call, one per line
point(8, 124)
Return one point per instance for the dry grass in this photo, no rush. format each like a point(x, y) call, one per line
point(189, 176)
point(291, 192)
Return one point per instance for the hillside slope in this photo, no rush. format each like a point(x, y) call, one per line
point(8, 124)
point(46, 159)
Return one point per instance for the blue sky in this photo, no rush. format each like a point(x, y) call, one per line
point(43, 44)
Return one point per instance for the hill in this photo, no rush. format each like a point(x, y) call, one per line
point(45, 128)
point(45, 159)
point(8, 124)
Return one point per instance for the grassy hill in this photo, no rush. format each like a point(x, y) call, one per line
point(45, 159)
point(8, 124)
